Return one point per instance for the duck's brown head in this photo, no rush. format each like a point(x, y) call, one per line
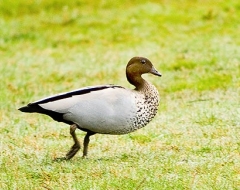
point(138, 66)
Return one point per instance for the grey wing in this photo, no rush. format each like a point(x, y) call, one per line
point(58, 105)
point(104, 112)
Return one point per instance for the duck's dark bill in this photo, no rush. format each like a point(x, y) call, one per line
point(155, 72)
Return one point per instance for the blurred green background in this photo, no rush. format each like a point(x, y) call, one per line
point(48, 47)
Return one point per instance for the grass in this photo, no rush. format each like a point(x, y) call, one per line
point(47, 47)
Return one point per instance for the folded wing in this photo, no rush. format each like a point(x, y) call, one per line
point(58, 105)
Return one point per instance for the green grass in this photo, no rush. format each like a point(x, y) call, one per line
point(48, 47)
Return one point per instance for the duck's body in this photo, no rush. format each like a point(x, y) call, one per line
point(106, 109)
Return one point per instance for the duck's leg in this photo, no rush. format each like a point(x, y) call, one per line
point(86, 142)
point(75, 148)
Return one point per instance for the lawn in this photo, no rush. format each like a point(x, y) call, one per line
point(48, 47)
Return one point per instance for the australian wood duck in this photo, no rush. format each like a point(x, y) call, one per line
point(105, 109)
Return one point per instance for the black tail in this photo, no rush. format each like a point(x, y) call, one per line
point(35, 108)
point(29, 108)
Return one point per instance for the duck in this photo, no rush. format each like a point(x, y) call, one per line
point(104, 109)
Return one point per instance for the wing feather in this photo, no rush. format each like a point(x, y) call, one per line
point(56, 106)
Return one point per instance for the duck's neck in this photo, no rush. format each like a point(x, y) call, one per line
point(137, 81)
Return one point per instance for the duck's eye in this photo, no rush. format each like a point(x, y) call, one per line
point(143, 61)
